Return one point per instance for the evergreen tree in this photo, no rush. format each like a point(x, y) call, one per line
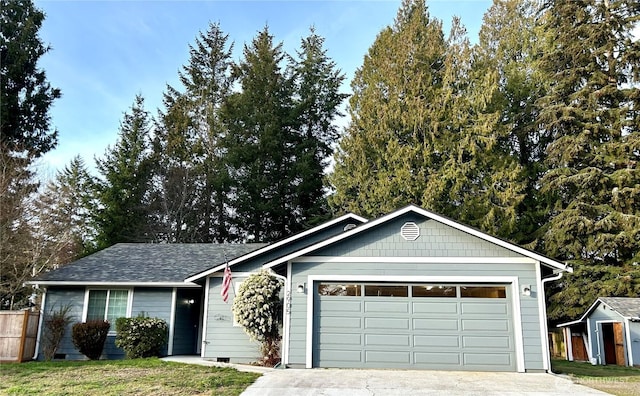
point(124, 215)
point(592, 114)
point(63, 217)
point(423, 130)
point(25, 93)
point(394, 143)
point(317, 105)
point(510, 45)
point(261, 143)
point(194, 184)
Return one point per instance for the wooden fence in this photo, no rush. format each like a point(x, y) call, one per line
point(18, 333)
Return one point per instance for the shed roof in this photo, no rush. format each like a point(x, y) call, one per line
point(145, 263)
point(628, 307)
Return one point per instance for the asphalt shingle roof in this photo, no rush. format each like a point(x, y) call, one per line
point(137, 262)
point(628, 307)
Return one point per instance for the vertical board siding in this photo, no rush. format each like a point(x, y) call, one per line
point(634, 332)
point(525, 273)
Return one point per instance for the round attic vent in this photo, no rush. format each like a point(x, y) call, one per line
point(349, 226)
point(410, 231)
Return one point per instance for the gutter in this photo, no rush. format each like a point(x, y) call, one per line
point(285, 314)
point(544, 307)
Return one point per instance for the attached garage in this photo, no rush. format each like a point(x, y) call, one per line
point(417, 325)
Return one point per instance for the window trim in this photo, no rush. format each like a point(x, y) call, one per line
point(85, 307)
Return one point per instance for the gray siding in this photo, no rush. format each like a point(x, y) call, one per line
point(436, 240)
point(57, 298)
point(600, 313)
point(152, 302)
point(222, 338)
point(634, 328)
point(525, 273)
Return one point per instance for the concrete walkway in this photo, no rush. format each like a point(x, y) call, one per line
point(334, 382)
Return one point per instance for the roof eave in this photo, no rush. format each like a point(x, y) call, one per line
point(115, 283)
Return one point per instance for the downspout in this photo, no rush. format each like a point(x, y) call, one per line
point(40, 320)
point(285, 315)
point(544, 309)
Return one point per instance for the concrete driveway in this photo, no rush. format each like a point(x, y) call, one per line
point(330, 382)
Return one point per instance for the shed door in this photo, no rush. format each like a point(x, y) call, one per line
point(423, 326)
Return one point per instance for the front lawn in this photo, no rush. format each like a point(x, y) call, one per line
point(121, 377)
point(617, 380)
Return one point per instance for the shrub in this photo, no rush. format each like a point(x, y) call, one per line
point(89, 337)
point(141, 337)
point(55, 324)
point(258, 308)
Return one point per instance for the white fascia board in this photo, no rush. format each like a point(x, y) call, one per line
point(412, 208)
point(117, 284)
point(275, 245)
point(413, 260)
point(565, 324)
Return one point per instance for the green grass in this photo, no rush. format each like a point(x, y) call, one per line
point(617, 380)
point(121, 377)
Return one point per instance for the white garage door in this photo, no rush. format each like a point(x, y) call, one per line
point(426, 326)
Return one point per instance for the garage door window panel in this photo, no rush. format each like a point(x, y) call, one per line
point(483, 291)
point(339, 289)
point(386, 291)
point(434, 291)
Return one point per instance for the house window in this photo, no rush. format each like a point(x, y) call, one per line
point(107, 305)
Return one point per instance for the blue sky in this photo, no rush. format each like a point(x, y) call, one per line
point(105, 52)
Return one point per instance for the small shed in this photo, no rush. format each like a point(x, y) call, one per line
point(607, 333)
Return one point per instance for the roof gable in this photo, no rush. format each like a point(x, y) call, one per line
point(272, 248)
point(367, 227)
point(627, 307)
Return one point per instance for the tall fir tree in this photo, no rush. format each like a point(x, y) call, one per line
point(592, 114)
point(424, 131)
point(187, 146)
point(261, 141)
point(317, 104)
point(25, 94)
point(395, 118)
point(26, 133)
point(63, 212)
point(123, 193)
point(510, 44)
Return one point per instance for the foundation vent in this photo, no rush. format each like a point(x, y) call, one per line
point(410, 231)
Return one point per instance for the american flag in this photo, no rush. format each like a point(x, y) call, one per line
point(226, 283)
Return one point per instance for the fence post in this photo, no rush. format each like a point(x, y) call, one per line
point(23, 336)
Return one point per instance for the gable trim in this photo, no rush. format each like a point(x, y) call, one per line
point(586, 313)
point(414, 209)
point(275, 245)
point(411, 260)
